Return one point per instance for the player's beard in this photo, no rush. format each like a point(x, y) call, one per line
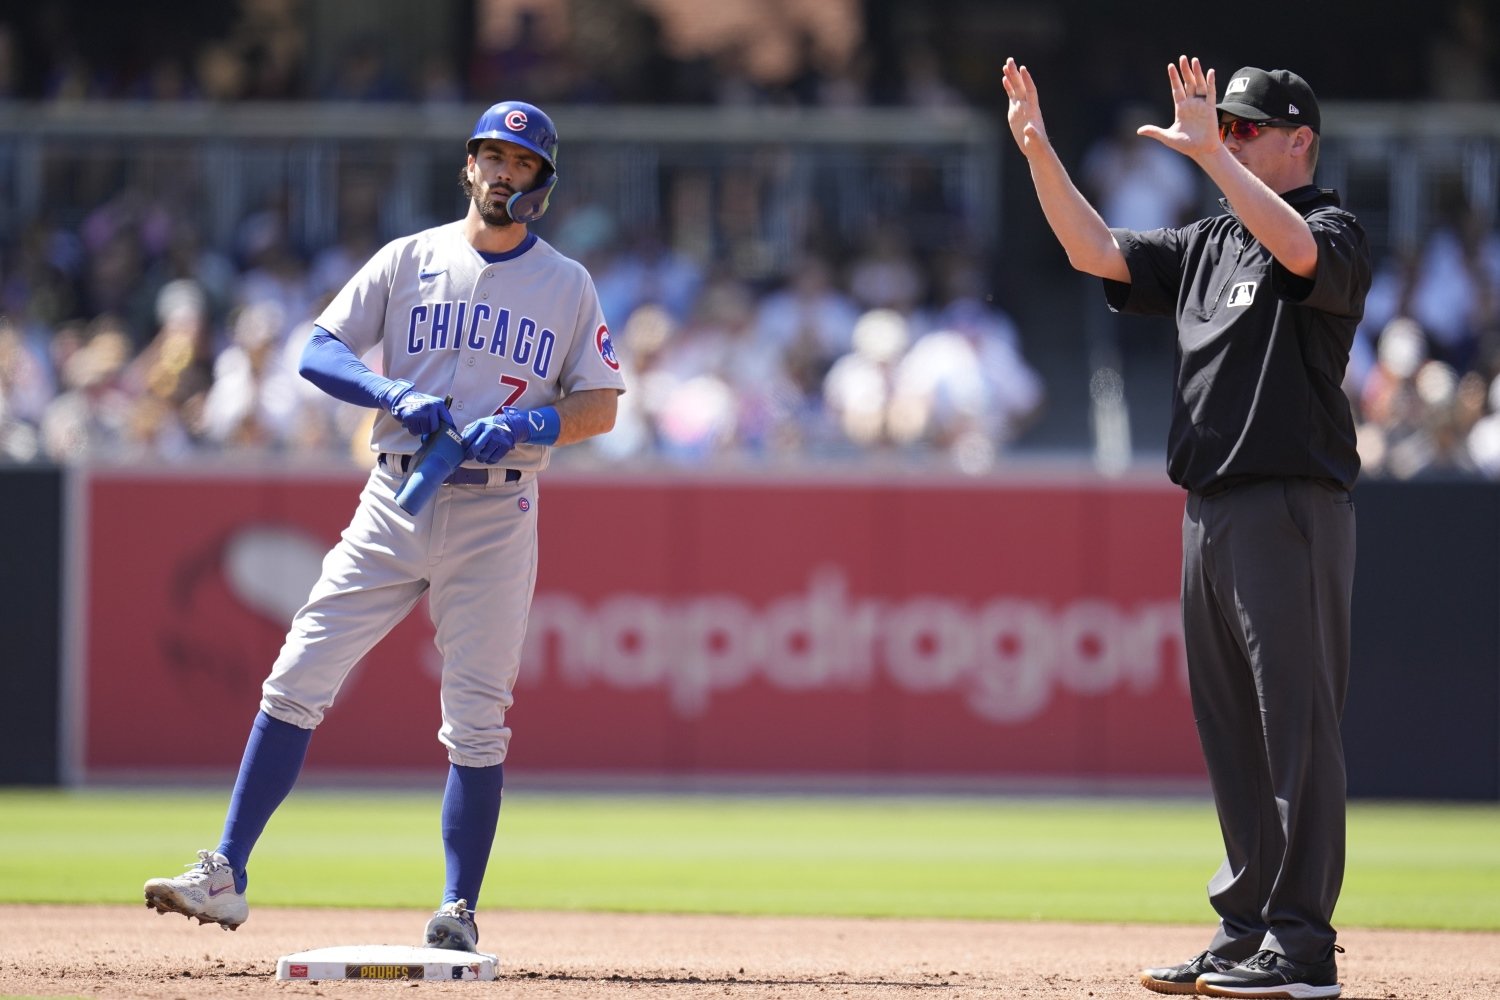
point(492, 213)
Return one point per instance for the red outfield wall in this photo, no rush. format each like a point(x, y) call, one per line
point(680, 627)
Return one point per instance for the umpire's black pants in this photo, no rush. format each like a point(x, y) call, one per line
point(1267, 577)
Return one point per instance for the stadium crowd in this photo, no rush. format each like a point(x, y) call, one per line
point(124, 335)
point(128, 338)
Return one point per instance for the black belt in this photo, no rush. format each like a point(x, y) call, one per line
point(461, 476)
point(1221, 486)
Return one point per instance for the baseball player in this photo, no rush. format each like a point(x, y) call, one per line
point(1266, 298)
point(491, 340)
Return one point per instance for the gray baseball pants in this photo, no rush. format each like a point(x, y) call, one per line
point(1267, 580)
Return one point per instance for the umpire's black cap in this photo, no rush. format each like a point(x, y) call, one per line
point(1259, 94)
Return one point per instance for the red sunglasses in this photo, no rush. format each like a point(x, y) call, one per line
point(1243, 129)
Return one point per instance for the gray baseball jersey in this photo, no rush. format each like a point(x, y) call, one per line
point(519, 331)
point(504, 334)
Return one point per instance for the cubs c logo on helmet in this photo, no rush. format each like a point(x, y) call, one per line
point(525, 125)
point(606, 347)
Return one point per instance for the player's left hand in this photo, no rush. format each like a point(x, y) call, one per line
point(1195, 131)
point(489, 439)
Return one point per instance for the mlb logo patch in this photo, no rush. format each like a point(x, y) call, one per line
point(1242, 294)
point(298, 972)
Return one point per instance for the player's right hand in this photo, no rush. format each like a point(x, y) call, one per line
point(420, 413)
point(489, 439)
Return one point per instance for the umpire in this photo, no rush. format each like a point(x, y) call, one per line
point(1266, 299)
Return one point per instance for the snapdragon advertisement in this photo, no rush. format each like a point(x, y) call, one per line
point(680, 627)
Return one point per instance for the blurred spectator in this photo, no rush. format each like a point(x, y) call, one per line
point(924, 85)
point(1388, 405)
point(1455, 285)
point(88, 419)
point(176, 367)
point(841, 83)
point(42, 286)
point(274, 271)
point(1484, 437)
point(1437, 444)
point(363, 74)
point(860, 387)
point(644, 335)
point(1419, 417)
point(167, 79)
point(26, 387)
point(523, 57)
point(253, 403)
point(270, 38)
point(647, 270)
point(1461, 53)
point(222, 74)
point(438, 81)
point(359, 216)
point(963, 387)
point(1138, 183)
point(187, 257)
point(886, 275)
point(809, 316)
point(708, 378)
point(321, 425)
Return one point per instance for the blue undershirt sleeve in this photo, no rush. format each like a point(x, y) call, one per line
point(329, 363)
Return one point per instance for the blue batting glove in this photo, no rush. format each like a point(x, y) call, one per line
point(515, 419)
point(489, 439)
point(420, 413)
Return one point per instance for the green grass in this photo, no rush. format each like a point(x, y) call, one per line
point(1114, 860)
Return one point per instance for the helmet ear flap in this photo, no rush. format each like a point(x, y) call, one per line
point(528, 206)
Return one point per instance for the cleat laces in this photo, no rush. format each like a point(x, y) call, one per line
point(205, 866)
point(457, 908)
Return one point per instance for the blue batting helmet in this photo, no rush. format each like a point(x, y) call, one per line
point(525, 125)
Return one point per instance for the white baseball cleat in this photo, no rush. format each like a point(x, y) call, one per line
point(452, 927)
point(206, 891)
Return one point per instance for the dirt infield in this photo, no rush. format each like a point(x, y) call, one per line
point(129, 952)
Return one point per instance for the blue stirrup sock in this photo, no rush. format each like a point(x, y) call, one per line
point(471, 811)
point(273, 758)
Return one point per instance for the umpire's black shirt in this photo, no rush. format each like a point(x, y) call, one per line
point(1261, 352)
